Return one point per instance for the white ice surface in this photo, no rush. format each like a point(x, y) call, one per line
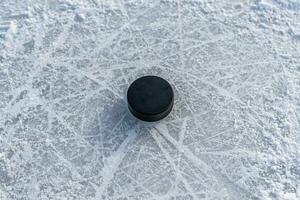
point(66, 133)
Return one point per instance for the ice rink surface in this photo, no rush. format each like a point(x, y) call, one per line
point(65, 130)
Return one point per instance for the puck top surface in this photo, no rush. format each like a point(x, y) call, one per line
point(150, 95)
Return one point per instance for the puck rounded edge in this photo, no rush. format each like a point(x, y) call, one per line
point(152, 118)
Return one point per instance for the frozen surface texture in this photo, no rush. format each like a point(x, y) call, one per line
point(66, 133)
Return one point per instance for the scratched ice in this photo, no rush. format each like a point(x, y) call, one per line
point(66, 133)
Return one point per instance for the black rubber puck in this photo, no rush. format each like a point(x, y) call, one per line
point(150, 98)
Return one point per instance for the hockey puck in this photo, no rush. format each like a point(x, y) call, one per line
point(150, 98)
